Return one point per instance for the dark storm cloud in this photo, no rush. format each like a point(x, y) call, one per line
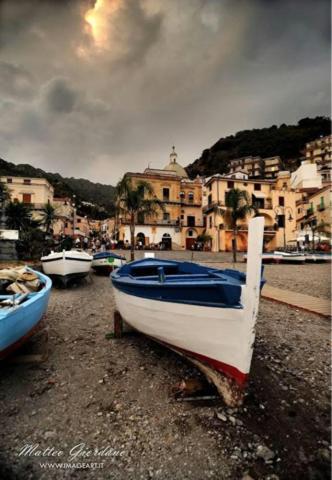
point(96, 102)
point(60, 96)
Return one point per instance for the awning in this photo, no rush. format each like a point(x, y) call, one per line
point(259, 195)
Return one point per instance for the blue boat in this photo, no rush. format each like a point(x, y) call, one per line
point(206, 314)
point(20, 315)
point(106, 262)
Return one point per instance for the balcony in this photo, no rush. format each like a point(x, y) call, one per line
point(211, 206)
point(310, 211)
point(321, 207)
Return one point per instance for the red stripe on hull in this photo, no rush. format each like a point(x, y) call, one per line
point(230, 371)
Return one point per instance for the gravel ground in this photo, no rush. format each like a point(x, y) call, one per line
point(117, 393)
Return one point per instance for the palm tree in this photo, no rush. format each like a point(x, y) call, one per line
point(136, 200)
point(18, 215)
point(238, 207)
point(49, 216)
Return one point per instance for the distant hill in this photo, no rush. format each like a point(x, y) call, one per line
point(287, 141)
point(100, 195)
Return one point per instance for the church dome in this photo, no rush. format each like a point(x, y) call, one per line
point(174, 166)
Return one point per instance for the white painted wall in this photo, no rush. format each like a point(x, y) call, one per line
point(154, 237)
point(306, 176)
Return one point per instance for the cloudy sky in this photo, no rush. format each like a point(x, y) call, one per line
point(96, 88)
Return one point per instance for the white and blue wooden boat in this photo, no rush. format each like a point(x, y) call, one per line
point(106, 262)
point(206, 314)
point(20, 315)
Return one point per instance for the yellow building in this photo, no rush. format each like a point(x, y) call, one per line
point(35, 192)
point(314, 213)
point(182, 221)
point(274, 199)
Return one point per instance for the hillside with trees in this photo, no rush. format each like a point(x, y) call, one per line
point(102, 196)
point(287, 141)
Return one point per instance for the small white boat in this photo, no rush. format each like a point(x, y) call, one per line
point(206, 314)
point(106, 262)
point(67, 265)
point(281, 257)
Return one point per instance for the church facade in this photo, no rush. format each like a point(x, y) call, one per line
point(181, 222)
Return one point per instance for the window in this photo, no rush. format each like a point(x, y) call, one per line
point(209, 199)
point(190, 233)
point(78, 220)
point(210, 187)
point(27, 181)
point(182, 196)
point(26, 198)
point(230, 184)
point(9, 180)
point(299, 210)
point(210, 221)
point(165, 194)
point(257, 186)
point(66, 225)
point(190, 221)
point(190, 197)
point(281, 201)
point(140, 218)
point(182, 217)
point(258, 202)
point(166, 216)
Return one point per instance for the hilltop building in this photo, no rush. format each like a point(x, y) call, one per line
point(319, 151)
point(182, 221)
point(275, 200)
point(256, 167)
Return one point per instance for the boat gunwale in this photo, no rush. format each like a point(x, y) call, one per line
point(35, 296)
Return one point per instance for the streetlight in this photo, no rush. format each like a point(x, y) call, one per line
point(283, 212)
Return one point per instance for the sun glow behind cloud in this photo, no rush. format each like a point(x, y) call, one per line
point(98, 21)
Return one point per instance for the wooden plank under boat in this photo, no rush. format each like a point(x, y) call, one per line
point(208, 315)
point(20, 319)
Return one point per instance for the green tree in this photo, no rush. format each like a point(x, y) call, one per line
point(238, 207)
point(4, 195)
point(48, 216)
point(136, 200)
point(18, 216)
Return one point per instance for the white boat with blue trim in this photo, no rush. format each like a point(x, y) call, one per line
point(206, 314)
point(67, 265)
point(106, 262)
point(21, 313)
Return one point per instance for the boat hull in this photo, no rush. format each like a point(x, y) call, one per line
point(106, 265)
point(66, 266)
point(21, 322)
point(204, 333)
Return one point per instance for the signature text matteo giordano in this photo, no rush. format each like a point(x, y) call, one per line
point(80, 452)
